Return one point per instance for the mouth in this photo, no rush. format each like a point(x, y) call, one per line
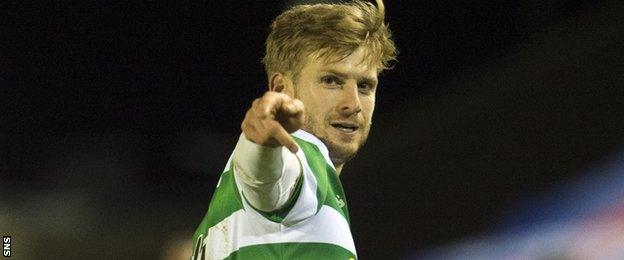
point(345, 127)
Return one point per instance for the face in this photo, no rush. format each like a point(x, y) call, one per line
point(339, 100)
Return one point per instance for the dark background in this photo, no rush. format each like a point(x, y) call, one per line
point(117, 118)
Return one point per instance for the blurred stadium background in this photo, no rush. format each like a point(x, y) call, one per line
point(499, 134)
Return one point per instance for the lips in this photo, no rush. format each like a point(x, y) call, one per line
point(346, 127)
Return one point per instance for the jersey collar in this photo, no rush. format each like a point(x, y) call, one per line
point(314, 140)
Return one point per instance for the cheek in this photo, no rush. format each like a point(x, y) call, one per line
point(368, 106)
point(313, 115)
point(319, 114)
point(318, 107)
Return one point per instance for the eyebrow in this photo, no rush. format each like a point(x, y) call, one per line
point(364, 79)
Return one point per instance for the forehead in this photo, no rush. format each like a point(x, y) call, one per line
point(358, 62)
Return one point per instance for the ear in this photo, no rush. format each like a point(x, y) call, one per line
point(277, 82)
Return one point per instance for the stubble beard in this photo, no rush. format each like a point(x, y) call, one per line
point(339, 152)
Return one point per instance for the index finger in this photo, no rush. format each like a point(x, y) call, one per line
point(279, 133)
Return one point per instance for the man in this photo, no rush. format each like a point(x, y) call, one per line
point(280, 196)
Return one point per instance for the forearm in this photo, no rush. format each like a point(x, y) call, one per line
point(267, 175)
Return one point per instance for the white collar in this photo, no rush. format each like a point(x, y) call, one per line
point(313, 139)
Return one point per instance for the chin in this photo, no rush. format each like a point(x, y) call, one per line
point(341, 151)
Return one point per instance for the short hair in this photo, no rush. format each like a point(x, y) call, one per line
point(331, 32)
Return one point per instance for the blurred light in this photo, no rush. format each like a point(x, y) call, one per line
point(583, 219)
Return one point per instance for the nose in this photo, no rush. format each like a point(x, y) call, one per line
point(349, 102)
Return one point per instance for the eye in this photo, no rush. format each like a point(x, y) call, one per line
point(365, 87)
point(331, 80)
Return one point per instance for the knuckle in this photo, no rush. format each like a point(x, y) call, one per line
point(269, 94)
point(285, 97)
point(262, 114)
point(248, 115)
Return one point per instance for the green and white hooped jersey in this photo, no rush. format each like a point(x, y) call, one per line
point(314, 223)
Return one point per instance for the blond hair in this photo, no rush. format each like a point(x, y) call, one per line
point(331, 32)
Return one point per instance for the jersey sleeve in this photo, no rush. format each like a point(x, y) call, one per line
point(297, 187)
point(268, 177)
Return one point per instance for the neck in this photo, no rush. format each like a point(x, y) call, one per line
point(338, 163)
